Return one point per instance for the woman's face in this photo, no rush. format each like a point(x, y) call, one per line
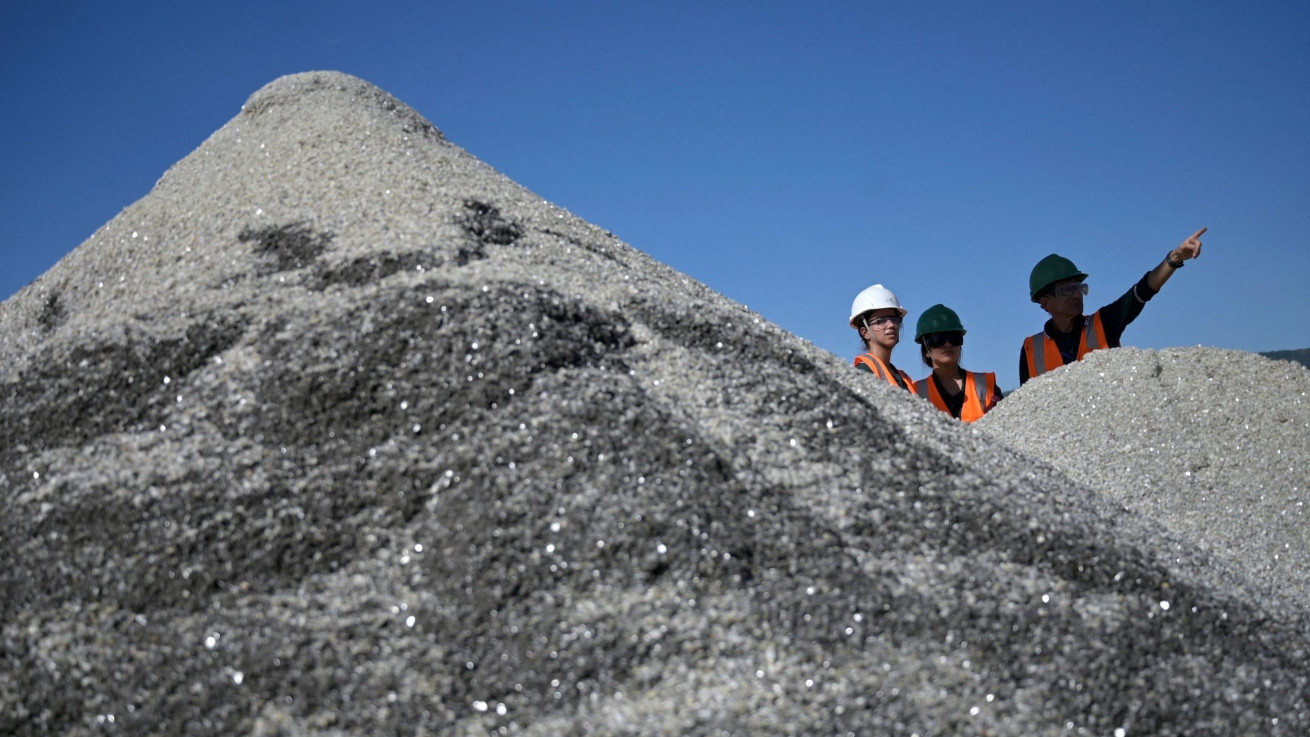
point(944, 348)
point(883, 328)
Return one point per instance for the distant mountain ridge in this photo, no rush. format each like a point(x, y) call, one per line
point(1300, 355)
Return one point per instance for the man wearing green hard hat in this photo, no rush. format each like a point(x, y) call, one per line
point(1057, 285)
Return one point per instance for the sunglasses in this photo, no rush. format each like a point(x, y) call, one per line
point(937, 340)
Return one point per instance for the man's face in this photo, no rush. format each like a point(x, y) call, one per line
point(1065, 299)
point(882, 327)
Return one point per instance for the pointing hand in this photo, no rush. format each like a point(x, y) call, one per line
point(1190, 248)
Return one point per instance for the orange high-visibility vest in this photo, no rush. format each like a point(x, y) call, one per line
point(1043, 355)
point(976, 394)
point(884, 372)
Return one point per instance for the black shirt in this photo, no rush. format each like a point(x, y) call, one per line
point(1114, 318)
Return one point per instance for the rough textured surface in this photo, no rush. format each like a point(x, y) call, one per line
point(340, 432)
point(1214, 444)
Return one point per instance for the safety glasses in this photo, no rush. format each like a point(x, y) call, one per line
point(1069, 290)
point(877, 322)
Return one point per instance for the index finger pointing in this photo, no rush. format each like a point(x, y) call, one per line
point(1198, 233)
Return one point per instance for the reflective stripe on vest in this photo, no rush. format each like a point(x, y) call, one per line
point(1043, 354)
point(881, 370)
point(976, 394)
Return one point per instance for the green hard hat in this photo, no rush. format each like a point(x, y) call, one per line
point(1050, 270)
point(937, 319)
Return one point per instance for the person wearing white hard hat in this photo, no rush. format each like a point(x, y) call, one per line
point(877, 315)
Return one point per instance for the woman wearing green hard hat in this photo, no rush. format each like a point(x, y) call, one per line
point(962, 394)
point(1057, 285)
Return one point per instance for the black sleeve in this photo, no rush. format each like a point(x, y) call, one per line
point(1118, 314)
point(1023, 367)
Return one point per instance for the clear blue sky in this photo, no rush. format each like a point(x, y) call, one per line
point(786, 154)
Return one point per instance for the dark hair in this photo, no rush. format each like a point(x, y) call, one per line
point(859, 326)
point(923, 353)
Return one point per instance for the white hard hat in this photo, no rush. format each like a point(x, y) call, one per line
point(876, 297)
